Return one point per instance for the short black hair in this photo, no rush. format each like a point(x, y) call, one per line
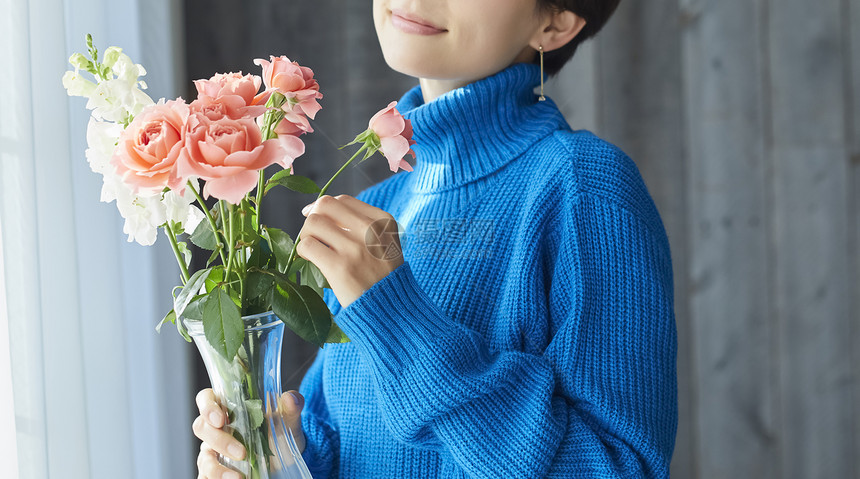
point(595, 12)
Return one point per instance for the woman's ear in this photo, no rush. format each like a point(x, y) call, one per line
point(558, 30)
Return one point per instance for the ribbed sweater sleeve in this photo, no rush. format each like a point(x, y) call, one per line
point(322, 442)
point(599, 401)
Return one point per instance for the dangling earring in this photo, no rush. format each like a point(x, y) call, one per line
point(541, 97)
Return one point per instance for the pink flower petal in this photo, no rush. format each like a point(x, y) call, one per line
point(405, 166)
point(394, 148)
point(380, 113)
point(388, 125)
point(232, 188)
point(211, 154)
point(292, 148)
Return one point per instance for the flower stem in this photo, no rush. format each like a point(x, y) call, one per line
point(322, 192)
point(259, 200)
point(179, 258)
point(271, 118)
point(225, 225)
point(233, 261)
point(231, 239)
point(211, 222)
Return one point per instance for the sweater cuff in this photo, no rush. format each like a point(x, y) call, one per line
point(318, 454)
point(394, 320)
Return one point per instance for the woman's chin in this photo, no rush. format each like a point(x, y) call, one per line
point(411, 67)
point(422, 67)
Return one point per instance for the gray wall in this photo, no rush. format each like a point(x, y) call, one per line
point(744, 118)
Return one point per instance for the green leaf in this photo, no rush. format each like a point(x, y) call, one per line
point(311, 276)
point(335, 335)
point(204, 237)
point(281, 244)
point(261, 255)
point(171, 317)
point(255, 412)
point(177, 228)
point(195, 282)
point(194, 310)
point(258, 292)
point(212, 257)
point(222, 323)
point(216, 277)
point(302, 310)
point(180, 327)
point(186, 253)
point(258, 285)
point(297, 183)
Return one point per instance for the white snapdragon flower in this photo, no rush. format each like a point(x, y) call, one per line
point(123, 68)
point(179, 209)
point(115, 100)
point(145, 214)
point(112, 99)
point(139, 228)
point(102, 137)
point(76, 85)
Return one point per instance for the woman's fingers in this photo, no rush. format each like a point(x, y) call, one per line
point(360, 207)
point(291, 404)
point(317, 253)
point(325, 229)
point(218, 439)
point(209, 408)
point(210, 468)
point(341, 211)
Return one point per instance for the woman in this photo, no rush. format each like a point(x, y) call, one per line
point(527, 331)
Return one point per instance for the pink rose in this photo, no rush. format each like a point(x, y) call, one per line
point(297, 84)
point(395, 136)
point(147, 150)
point(230, 94)
point(228, 154)
point(231, 106)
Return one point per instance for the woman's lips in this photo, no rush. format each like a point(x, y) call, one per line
point(409, 23)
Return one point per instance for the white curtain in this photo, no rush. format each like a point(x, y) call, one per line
point(96, 393)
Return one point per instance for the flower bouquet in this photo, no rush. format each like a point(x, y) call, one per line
point(161, 160)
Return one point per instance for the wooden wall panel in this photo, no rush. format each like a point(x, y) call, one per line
point(575, 89)
point(851, 18)
point(728, 250)
point(810, 163)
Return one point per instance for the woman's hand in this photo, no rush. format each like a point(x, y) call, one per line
point(352, 243)
point(208, 426)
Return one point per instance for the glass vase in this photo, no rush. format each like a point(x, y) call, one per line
point(248, 388)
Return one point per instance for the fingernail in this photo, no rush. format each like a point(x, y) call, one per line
point(307, 209)
point(231, 475)
point(215, 418)
point(295, 399)
point(235, 450)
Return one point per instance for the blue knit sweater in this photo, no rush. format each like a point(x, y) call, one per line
point(529, 332)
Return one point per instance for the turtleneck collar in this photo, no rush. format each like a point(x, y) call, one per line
point(472, 131)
